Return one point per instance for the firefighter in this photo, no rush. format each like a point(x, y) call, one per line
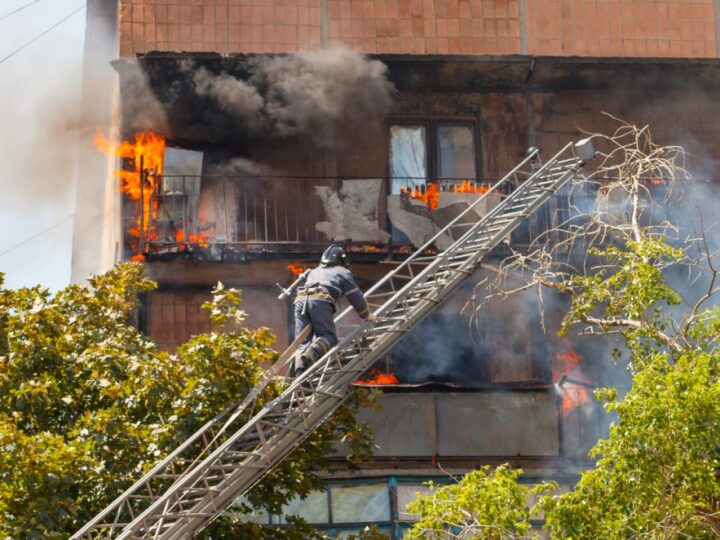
point(316, 302)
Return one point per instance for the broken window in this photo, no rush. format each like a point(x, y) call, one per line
point(408, 157)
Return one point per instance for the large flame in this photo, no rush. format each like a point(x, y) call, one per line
point(569, 379)
point(139, 180)
point(377, 377)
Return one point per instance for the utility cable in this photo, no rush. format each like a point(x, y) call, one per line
point(33, 40)
point(34, 236)
point(18, 10)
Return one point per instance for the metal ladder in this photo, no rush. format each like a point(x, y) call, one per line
point(199, 480)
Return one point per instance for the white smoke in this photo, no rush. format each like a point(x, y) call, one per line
point(39, 128)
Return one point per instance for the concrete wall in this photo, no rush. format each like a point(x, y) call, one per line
point(96, 236)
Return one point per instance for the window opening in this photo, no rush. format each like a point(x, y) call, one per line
point(456, 152)
point(408, 157)
point(432, 151)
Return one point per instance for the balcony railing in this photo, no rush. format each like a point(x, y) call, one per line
point(226, 216)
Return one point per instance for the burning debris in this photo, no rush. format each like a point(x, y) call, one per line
point(431, 193)
point(430, 196)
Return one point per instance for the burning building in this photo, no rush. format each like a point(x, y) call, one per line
point(247, 136)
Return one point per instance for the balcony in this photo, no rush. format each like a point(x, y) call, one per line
point(241, 217)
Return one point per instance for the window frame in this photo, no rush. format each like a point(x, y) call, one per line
point(431, 124)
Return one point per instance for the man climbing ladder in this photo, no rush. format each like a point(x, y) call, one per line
point(316, 303)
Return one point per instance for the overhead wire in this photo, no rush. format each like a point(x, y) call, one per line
point(34, 236)
point(18, 10)
point(33, 40)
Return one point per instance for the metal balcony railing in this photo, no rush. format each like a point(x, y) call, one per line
point(265, 214)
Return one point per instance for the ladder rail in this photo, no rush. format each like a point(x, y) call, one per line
point(305, 407)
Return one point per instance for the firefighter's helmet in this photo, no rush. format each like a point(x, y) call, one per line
point(333, 256)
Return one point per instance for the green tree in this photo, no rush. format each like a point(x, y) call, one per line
point(88, 403)
point(656, 474)
point(484, 504)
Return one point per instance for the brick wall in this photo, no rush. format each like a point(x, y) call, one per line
point(644, 28)
point(175, 316)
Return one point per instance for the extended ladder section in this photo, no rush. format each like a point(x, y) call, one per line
point(231, 453)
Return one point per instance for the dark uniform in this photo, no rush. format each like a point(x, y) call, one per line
point(315, 304)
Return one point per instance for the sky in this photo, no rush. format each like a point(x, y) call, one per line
point(39, 118)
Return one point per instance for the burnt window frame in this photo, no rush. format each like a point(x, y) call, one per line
point(431, 125)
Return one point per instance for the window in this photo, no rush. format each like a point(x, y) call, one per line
point(431, 150)
point(456, 152)
point(408, 156)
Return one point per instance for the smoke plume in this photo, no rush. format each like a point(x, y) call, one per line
point(141, 108)
point(309, 93)
point(235, 96)
point(240, 167)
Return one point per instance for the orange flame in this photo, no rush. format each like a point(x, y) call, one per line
point(431, 196)
point(197, 239)
point(366, 248)
point(573, 394)
point(467, 187)
point(148, 150)
point(296, 269)
point(377, 377)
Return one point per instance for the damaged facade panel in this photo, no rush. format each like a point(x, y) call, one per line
point(462, 425)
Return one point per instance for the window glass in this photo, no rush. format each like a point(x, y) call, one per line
point(360, 503)
point(408, 159)
point(406, 493)
point(456, 152)
point(314, 509)
point(254, 516)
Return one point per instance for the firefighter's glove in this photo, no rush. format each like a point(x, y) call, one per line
point(372, 319)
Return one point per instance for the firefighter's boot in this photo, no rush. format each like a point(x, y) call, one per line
point(313, 352)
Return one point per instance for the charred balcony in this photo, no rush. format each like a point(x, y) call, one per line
point(216, 218)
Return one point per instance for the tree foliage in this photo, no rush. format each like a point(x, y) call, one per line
point(88, 403)
point(484, 504)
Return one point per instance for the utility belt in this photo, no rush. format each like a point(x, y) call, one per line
point(316, 291)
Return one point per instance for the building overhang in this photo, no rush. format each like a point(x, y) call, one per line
point(458, 73)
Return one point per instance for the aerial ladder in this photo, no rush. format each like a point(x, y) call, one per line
point(225, 458)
